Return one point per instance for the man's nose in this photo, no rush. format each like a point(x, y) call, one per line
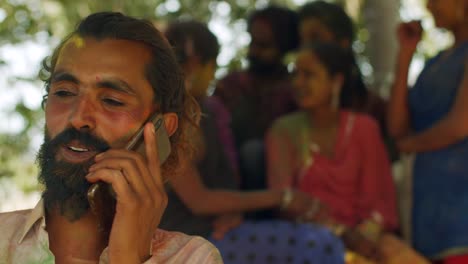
point(83, 114)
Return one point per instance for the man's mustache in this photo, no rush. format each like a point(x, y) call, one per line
point(83, 137)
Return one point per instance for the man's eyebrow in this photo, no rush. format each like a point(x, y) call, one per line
point(110, 83)
point(63, 76)
point(116, 84)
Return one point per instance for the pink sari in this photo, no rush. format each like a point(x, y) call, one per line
point(356, 182)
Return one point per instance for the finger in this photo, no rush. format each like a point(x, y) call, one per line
point(139, 160)
point(116, 179)
point(132, 169)
point(152, 154)
point(153, 193)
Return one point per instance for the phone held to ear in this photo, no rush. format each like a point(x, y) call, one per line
point(137, 144)
point(164, 146)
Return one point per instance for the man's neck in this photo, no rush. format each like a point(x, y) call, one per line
point(79, 239)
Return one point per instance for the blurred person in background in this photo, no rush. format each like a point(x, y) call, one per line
point(328, 22)
point(430, 119)
point(261, 93)
point(335, 155)
point(204, 201)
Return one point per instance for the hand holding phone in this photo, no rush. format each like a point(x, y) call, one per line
point(141, 198)
point(98, 193)
point(164, 146)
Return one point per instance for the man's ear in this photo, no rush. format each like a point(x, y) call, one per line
point(171, 121)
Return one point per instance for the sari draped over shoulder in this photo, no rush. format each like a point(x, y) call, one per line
point(440, 177)
point(354, 183)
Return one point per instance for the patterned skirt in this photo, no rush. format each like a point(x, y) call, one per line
point(281, 242)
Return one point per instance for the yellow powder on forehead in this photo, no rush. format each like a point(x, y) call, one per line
point(78, 41)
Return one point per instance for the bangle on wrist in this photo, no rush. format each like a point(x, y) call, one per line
point(371, 228)
point(339, 230)
point(286, 199)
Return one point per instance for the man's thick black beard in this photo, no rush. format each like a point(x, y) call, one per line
point(65, 184)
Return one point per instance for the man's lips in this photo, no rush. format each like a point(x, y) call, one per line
point(75, 152)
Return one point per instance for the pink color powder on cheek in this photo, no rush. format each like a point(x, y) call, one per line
point(135, 117)
point(98, 79)
point(132, 120)
point(126, 118)
point(138, 115)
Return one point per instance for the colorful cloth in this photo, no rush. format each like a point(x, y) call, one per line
point(270, 242)
point(25, 240)
point(234, 247)
point(356, 182)
point(440, 178)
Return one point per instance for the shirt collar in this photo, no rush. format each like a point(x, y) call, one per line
point(38, 213)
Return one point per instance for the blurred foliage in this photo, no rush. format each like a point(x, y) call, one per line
point(14, 146)
point(23, 19)
point(53, 19)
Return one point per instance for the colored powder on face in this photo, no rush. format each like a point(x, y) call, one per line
point(131, 132)
point(78, 41)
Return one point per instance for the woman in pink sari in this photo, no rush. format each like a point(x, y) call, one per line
point(335, 155)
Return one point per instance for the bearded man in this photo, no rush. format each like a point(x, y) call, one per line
point(105, 80)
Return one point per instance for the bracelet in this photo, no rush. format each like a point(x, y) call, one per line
point(286, 199)
point(338, 229)
point(371, 228)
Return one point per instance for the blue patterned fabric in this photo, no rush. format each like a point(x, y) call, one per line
point(280, 242)
point(440, 180)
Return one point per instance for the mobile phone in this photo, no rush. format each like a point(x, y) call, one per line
point(137, 144)
point(164, 146)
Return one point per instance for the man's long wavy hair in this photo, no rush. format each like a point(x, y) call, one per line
point(163, 73)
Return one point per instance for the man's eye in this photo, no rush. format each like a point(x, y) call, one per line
point(112, 102)
point(63, 93)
